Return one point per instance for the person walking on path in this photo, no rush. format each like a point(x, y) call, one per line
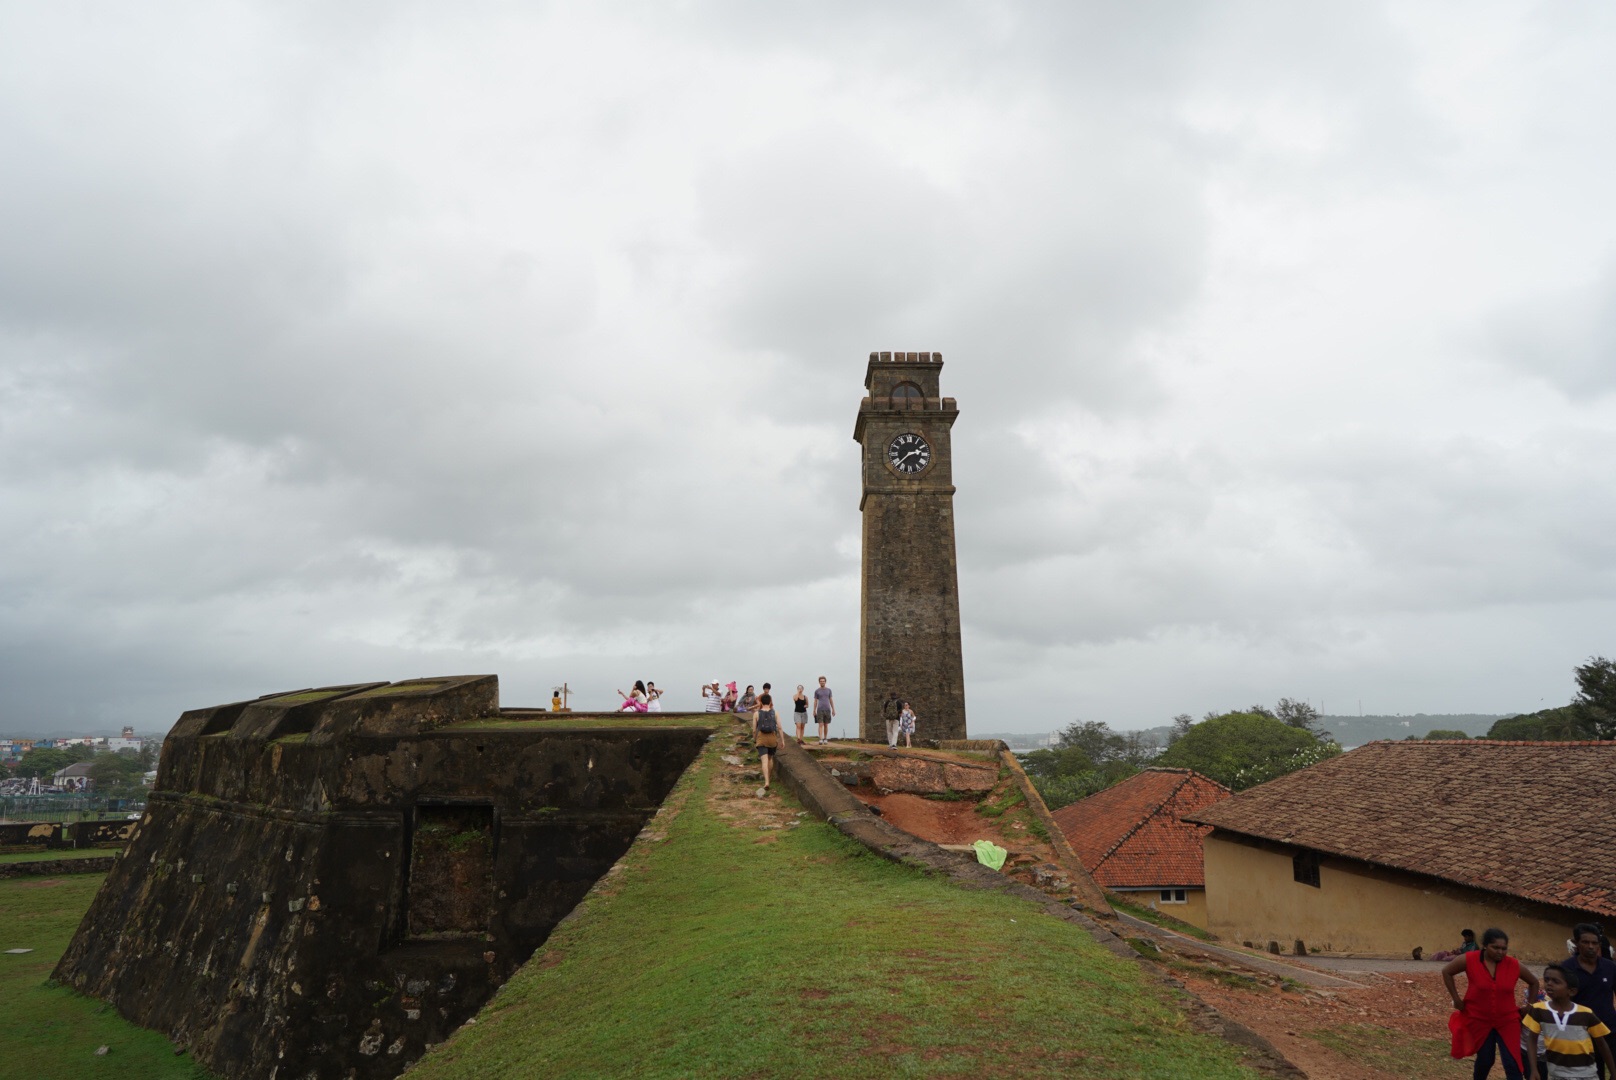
point(890, 708)
point(767, 735)
point(799, 710)
point(1573, 1037)
point(1595, 983)
point(906, 725)
point(824, 709)
point(1487, 1016)
point(712, 698)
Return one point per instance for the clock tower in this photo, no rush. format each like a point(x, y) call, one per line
point(909, 628)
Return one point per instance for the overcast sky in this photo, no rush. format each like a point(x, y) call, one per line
point(352, 342)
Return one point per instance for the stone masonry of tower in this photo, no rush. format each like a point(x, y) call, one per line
point(909, 627)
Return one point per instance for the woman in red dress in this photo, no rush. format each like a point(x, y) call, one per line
point(1488, 1015)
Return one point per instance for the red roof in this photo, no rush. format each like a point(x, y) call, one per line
point(1132, 834)
point(1527, 819)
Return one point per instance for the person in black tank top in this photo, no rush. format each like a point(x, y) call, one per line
point(800, 711)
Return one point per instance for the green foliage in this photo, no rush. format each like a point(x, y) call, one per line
point(117, 774)
point(1059, 791)
point(1596, 696)
point(720, 952)
point(1088, 757)
point(1244, 748)
point(48, 761)
point(1564, 724)
point(1440, 733)
point(1010, 799)
point(51, 1033)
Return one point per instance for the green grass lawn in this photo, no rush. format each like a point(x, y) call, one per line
point(733, 950)
point(48, 854)
point(50, 1032)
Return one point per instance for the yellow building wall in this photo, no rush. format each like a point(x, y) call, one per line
point(1192, 910)
point(1251, 895)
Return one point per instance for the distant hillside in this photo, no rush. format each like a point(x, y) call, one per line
point(1021, 741)
point(1357, 730)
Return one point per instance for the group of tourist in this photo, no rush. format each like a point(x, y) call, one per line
point(1569, 1013)
point(900, 720)
point(759, 711)
point(645, 697)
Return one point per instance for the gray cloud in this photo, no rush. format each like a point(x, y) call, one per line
point(393, 340)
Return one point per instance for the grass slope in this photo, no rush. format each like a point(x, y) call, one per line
point(50, 1032)
point(52, 854)
point(733, 949)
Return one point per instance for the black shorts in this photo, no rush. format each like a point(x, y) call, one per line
point(766, 750)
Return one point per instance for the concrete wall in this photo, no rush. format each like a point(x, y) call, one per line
point(16, 836)
point(1251, 895)
point(1192, 910)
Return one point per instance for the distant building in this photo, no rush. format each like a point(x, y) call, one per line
point(1134, 840)
point(76, 777)
point(1402, 844)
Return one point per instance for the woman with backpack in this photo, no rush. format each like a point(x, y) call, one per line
point(767, 735)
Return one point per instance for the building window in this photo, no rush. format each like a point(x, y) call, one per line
point(1173, 896)
point(908, 396)
point(1305, 868)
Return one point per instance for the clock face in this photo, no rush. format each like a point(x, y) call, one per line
point(908, 453)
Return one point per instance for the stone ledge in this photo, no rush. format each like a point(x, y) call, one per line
point(94, 864)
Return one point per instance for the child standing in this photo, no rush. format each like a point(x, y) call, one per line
point(906, 725)
point(1571, 1033)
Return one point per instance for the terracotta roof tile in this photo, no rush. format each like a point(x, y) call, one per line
point(1131, 835)
point(1527, 819)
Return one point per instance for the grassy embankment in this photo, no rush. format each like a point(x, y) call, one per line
point(49, 854)
point(751, 942)
point(50, 1032)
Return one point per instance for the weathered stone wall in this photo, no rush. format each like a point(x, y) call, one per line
point(909, 629)
point(18, 836)
point(325, 883)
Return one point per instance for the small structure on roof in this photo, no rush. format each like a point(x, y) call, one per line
point(1134, 840)
point(1402, 844)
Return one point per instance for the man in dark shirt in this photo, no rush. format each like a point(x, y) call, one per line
point(1596, 976)
point(889, 712)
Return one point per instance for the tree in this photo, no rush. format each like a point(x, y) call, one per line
point(1568, 723)
point(1445, 733)
point(1243, 748)
point(1299, 714)
point(112, 772)
point(1596, 696)
point(1181, 724)
point(1087, 757)
point(47, 761)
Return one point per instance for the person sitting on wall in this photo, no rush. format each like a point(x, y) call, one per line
point(634, 700)
point(1467, 944)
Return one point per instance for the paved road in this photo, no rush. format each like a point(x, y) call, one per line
point(1307, 976)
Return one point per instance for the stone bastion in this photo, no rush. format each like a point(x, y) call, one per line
point(326, 882)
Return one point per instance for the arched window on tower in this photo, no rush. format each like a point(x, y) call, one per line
point(908, 396)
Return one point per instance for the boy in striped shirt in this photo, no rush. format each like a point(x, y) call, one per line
point(1572, 1034)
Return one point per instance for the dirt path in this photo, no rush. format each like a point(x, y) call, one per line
point(1395, 1028)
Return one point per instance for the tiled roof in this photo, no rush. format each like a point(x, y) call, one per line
point(1131, 835)
point(1528, 819)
